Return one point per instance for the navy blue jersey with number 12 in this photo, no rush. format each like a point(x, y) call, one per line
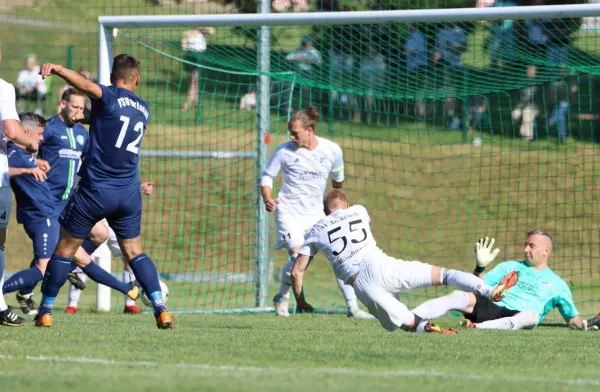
point(118, 123)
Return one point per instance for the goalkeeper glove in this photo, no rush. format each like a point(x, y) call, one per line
point(484, 253)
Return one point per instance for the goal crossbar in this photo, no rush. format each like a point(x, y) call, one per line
point(356, 17)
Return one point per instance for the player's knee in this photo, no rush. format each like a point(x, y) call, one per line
point(99, 233)
point(531, 318)
point(130, 247)
point(67, 245)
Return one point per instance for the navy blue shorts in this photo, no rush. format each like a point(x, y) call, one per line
point(44, 235)
point(59, 206)
point(121, 207)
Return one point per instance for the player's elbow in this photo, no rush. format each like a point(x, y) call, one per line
point(11, 128)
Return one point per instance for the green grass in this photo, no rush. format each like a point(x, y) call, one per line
point(98, 352)
point(430, 195)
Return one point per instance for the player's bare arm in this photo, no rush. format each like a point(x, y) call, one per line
point(270, 203)
point(14, 131)
point(73, 78)
point(300, 265)
point(39, 174)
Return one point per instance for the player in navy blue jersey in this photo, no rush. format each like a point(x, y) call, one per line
point(65, 142)
point(109, 185)
point(36, 212)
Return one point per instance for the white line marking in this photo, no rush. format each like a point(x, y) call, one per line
point(325, 371)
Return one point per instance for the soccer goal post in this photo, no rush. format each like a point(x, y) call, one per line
point(455, 124)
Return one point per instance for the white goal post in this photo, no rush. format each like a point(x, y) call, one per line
point(264, 19)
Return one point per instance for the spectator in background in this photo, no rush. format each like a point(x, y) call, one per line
point(87, 111)
point(372, 75)
point(451, 44)
point(503, 37)
point(560, 113)
point(303, 61)
point(415, 50)
point(559, 38)
point(526, 110)
point(345, 45)
point(194, 44)
point(30, 85)
point(248, 101)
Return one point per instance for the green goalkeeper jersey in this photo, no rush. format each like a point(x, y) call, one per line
point(538, 290)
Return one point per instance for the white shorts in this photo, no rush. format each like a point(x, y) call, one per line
point(378, 283)
point(292, 228)
point(5, 206)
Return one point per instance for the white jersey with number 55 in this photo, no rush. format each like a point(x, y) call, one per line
point(305, 174)
point(346, 240)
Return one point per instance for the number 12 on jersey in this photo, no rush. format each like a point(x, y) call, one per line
point(343, 238)
point(134, 145)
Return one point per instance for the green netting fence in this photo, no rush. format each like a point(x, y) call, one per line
point(449, 131)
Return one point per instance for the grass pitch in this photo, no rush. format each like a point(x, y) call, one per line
point(112, 352)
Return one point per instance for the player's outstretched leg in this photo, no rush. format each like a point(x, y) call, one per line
point(282, 298)
point(521, 320)
point(99, 275)
point(351, 302)
point(437, 307)
point(146, 274)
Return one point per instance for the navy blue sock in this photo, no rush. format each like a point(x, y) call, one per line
point(89, 246)
point(23, 279)
point(54, 278)
point(25, 291)
point(145, 272)
point(73, 267)
point(99, 275)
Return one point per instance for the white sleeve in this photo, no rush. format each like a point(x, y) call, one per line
point(337, 169)
point(274, 165)
point(8, 109)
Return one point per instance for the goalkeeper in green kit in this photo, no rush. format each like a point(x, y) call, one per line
point(537, 292)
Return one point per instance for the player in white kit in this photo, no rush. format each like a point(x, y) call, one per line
point(10, 128)
point(345, 238)
point(306, 162)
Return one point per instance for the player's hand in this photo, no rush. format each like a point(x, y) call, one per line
point(38, 173)
point(48, 69)
point(483, 251)
point(43, 164)
point(271, 204)
point(304, 307)
point(147, 188)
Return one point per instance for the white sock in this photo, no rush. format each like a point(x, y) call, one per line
point(434, 308)
point(525, 319)
point(74, 294)
point(285, 287)
point(128, 277)
point(349, 295)
point(466, 282)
